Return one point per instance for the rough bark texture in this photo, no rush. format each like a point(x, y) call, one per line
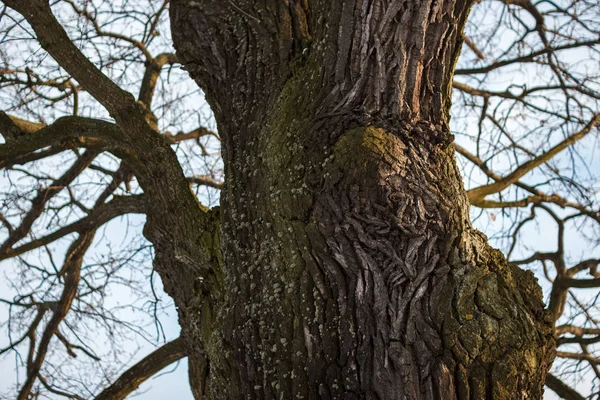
point(347, 264)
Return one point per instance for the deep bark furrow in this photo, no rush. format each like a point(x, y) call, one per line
point(350, 267)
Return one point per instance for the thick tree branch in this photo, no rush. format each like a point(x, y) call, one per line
point(162, 171)
point(562, 389)
point(537, 197)
point(195, 134)
point(477, 194)
point(67, 132)
point(54, 39)
point(13, 127)
point(575, 330)
point(586, 341)
point(206, 181)
point(159, 173)
point(566, 282)
point(590, 264)
point(131, 379)
point(152, 74)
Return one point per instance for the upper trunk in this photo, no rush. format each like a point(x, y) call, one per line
point(349, 266)
point(380, 60)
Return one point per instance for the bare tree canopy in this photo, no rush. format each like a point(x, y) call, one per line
point(341, 260)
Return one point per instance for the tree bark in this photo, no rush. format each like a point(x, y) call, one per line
point(348, 266)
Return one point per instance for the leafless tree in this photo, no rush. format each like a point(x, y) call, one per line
point(340, 180)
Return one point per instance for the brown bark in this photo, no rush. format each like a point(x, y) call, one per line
point(350, 267)
point(342, 263)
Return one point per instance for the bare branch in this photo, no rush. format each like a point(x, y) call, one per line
point(100, 215)
point(206, 181)
point(562, 389)
point(151, 76)
point(528, 58)
point(71, 272)
point(82, 132)
point(131, 379)
point(479, 193)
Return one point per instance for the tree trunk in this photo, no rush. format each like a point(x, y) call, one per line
point(347, 264)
